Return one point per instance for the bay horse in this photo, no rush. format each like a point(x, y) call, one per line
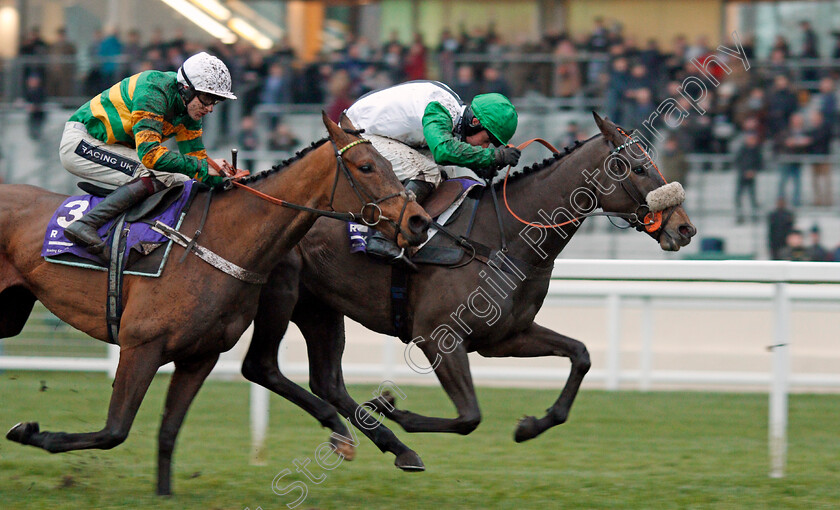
point(192, 312)
point(448, 313)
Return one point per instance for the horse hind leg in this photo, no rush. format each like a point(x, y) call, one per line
point(260, 366)
point(135, 372)
point(15, 306)
point(184, 385)
point(323, 329)
point(452, 369)
point(537, 341)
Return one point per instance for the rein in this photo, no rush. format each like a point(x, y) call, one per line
point(630, 217)
point(369, 204)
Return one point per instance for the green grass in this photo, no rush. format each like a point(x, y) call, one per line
point(619, 450)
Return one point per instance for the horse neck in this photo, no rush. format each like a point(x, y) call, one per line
point(545, 197)
point(269, 229)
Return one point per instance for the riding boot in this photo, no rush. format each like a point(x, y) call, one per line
point(382, 248)
point(83, 231)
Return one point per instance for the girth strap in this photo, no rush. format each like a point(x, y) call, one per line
point(210, 257)
point(113, 304)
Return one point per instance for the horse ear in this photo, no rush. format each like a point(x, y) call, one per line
point(607, 128)
point(334, 131)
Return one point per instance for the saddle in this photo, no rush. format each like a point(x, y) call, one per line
point(169, 206)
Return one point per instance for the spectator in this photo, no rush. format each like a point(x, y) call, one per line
point(748, 162)
point(414, 66)
point(617, 86)
point(277, 87)
point(819, 133)
point(779, 225)
point(751, 106)
point(339, 94)
point(494, 82)
point(810, 50)
point(133, 53)
point(570, 135)
point(792, 142)
point(825, 100)
point(673, 164)
point(109, 52)
point(816, 252)
point(34, 49)
point(567, 76)
point(640, 108)
point(781, 103)
point(35, 95)
point(466, 85)
point(248, 139)
point(794, 248)
point(282, 139)
point(61, 70)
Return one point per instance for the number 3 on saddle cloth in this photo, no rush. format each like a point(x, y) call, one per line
point(445, 206)
point(168, 206)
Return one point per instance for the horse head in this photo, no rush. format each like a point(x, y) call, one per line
point(369, 175)
point(633, 184)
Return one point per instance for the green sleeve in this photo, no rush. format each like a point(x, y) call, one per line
point(150, 106)
point(446, 149)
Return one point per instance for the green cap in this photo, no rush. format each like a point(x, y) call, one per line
point(496, 114)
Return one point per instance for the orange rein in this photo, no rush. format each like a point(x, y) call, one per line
point(651, 221)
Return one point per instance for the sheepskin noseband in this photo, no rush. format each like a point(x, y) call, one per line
point(669, 195)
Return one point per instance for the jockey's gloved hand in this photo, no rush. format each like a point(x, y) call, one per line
point(507, 156)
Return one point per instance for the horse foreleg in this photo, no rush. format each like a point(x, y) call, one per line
point(453, 371)
point(184, 385)
point(323, 329)
point(135, 371)
point(277, 301)
point(537, 341)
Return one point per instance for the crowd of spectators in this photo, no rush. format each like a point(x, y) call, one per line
point(763, 119)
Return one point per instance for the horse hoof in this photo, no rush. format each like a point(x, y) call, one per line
point(348, 451)
point(527, 429)
point(21, 432)
point(409, 461)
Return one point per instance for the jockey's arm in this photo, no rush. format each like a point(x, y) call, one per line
point(448, 150)
point(148, 118)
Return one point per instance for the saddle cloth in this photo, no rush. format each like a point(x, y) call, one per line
point(442, 205)
point(140, 238)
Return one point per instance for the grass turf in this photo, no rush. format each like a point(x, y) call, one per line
point(619, 450)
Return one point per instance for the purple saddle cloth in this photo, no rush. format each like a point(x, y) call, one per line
point(140, 233)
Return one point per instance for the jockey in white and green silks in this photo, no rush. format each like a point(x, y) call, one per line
point(422, 127)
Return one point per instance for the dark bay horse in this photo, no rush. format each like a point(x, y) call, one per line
point(452, 312)
point(193, 312)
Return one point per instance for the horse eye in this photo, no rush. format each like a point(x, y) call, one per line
point(366, 168)
point(639, 170)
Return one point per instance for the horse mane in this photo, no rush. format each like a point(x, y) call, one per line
point(542, 165)
point(284, 164)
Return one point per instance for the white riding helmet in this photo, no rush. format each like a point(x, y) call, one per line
point(205, 73)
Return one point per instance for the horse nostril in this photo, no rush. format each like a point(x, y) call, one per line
point(687, 230)
point(418, 224)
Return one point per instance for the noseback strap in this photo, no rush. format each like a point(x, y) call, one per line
point(666, 196)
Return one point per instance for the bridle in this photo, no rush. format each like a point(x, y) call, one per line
point(370, 204)
point(642, 219)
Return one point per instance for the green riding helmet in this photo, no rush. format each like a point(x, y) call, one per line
point(496, 114)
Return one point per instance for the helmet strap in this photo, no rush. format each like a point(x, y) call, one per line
point(469, 124)
point(188, 92)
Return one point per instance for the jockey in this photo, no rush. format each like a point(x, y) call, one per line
point(403, 120)
point(116, 139)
